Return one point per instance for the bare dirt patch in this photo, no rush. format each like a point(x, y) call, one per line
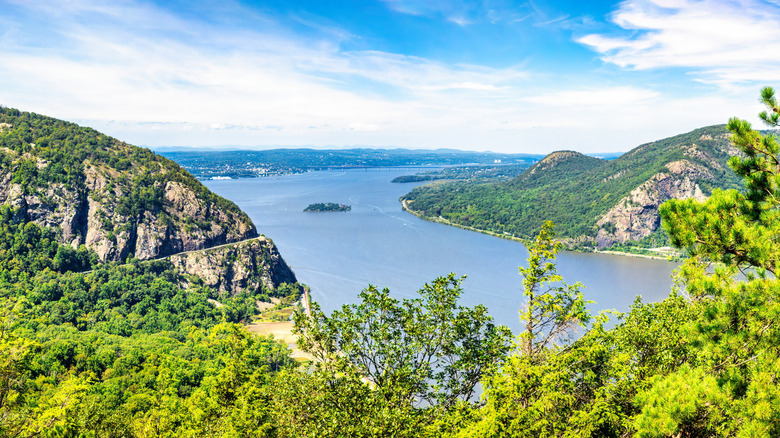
point(282, 331)
point(262, 305)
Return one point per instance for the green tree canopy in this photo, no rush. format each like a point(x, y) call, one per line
point(426, 350)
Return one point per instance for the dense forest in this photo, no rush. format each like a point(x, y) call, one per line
point(116, 350)
point(574, 190)
point(91, 349)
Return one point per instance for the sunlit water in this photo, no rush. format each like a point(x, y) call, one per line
point(339, 254)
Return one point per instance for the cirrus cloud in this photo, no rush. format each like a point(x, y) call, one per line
point(725, 41)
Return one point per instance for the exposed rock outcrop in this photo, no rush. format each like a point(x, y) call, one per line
point(636, 215)
point(249, 265)
point(93, 215)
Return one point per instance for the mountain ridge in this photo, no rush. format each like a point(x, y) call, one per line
point(594, 202)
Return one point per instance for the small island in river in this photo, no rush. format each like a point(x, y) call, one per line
point(327, 206)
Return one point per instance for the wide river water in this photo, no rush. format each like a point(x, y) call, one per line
point(339, 254)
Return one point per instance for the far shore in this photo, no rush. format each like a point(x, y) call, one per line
point(631, 254)
point(441, 220)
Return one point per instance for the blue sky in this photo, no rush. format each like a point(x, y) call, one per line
point(501, 75)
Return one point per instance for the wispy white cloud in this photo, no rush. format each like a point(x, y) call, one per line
point(611, 97)
point(239, 79)
point(152, 77)
point(553, 20)
point(726, 41)
point(464, 12)
point(452, 10)
point(459, 20)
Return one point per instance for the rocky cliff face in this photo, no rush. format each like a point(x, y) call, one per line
point(122, 201)
point(249, 265)
point(94, 214)
point(636, 215)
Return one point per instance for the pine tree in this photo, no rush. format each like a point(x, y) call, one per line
point(731, 387)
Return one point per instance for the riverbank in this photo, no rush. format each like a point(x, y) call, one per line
point(632, 254)
point(441, 220)
point(664, 253)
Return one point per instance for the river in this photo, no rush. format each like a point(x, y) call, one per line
point(339, 254)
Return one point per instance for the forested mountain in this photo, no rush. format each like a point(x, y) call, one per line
point(98, 340)
point(122, 201)
point(118, 200)
point(592, 201)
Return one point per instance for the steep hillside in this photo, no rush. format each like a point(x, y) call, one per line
point(117, 199)
point(592, 201)
point(122, 201)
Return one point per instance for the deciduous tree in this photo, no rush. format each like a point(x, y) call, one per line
point(422, 351)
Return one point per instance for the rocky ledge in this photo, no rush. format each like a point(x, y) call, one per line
point(636, 215)
point(93, 215)
point(250, 265)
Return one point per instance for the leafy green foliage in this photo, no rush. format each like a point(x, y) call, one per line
point(427, 349)
point(26, 248)
point(320, 403)
point(385, 367)
point(588, 387)
point(191, 383)
point(552, 308)
point(114, 350)
point(733, 388)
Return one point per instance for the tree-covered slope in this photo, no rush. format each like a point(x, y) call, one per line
point(117, 199)
point(111, 350)
point(590, 200)
point(549, 169)
point(97, 340)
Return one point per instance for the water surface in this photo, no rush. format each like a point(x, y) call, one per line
point(339, 254)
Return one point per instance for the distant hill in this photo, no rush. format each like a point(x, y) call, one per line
point(549, 169)
point(252, 163)
point(594, 202)
point(119, 200)
point(472, 173)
